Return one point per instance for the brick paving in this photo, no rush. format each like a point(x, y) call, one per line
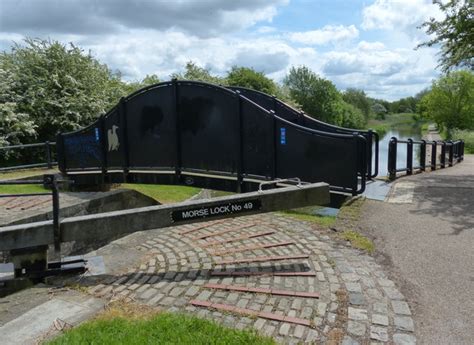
point(177, 272)
point(17, 208)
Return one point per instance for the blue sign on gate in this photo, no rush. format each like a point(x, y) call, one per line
point(283, 135)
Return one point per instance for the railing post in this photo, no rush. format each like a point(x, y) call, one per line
point(443, 155)
point(103, 133)
point(122, 115)
point(51, 181)
point(423, 155)
point(392, 158)
point(178, 157)
point(240, 167)
point(433, 154)
point(461, 150)
point(409, 156)
point(276, 135)
point(47, 147)
point(451, 153)
point(369, 153)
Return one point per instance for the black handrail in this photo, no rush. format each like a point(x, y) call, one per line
point(454, 149)
point(50, 181)
point(49, 162)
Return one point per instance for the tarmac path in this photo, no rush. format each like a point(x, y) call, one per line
point(425, 235)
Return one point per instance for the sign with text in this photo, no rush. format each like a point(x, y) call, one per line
point(227, 208)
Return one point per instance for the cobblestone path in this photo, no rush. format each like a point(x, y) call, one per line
point(244, 273)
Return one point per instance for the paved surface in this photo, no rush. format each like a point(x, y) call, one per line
point(169, 268)
point(50, 318)
point(17, 208)
point(426, 236)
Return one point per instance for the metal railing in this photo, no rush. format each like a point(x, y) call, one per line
point(48, 156)
point(49, 181)
point(450, 153)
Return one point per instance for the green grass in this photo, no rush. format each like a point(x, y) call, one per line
point(381, 129)
point(163, 193)
point(22, 189)
point(399, 121)
point(358, 241)
point(305, 214)
point(162, 328)
point(25, 173)
point(467, 136)
point(218, 193)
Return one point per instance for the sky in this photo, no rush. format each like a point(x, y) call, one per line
point(367, 44)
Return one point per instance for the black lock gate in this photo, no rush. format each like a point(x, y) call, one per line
point(204, 135)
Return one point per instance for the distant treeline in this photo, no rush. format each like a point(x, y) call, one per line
point(47, 87)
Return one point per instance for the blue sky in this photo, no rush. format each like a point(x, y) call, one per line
point(364, 44)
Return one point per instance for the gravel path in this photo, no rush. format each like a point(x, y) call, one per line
point(425, 235)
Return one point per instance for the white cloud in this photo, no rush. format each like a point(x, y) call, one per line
point(400, 14)
point(327, 34)
point(201, 18)
point(368, 46)
point(381, 72)
point(374, 61)
point(140, 37)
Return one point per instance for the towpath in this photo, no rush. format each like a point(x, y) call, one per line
point(425, 236)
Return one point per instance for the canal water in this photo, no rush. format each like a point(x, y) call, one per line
point(403, 133)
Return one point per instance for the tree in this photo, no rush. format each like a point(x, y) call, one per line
point(58, 87)
point(14, 125)
point(379, 110)
point(349, 116)
point(317, 96)
point(248, 77)
point(194, 72)
point(450, 103)
point(147, 81)
point(455, 33)
point(358, 99)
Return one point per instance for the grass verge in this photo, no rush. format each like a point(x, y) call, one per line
point(467, 136)
point(358, 241)
point(22, 189)
point(307, 214)
point(26, 173)
point(163, 193)
point(401, 121)
point(142, 325)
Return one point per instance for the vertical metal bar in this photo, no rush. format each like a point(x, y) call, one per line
point(125, 147)
point(240, 167)
point(56, 225)
point(369, 153)
point(461, 154)
point(361, 148)
point(409, 156)
point(178, 160)
point(47, 147)
point(433, 155)
point(376, 161)
point(103, 143)
point(275, 145)
point(443, 155)
point(450, 153)
point(392, 158)
point(423, 155)
point(61, 153)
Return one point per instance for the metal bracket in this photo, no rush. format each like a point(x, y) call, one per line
point(296, 180)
